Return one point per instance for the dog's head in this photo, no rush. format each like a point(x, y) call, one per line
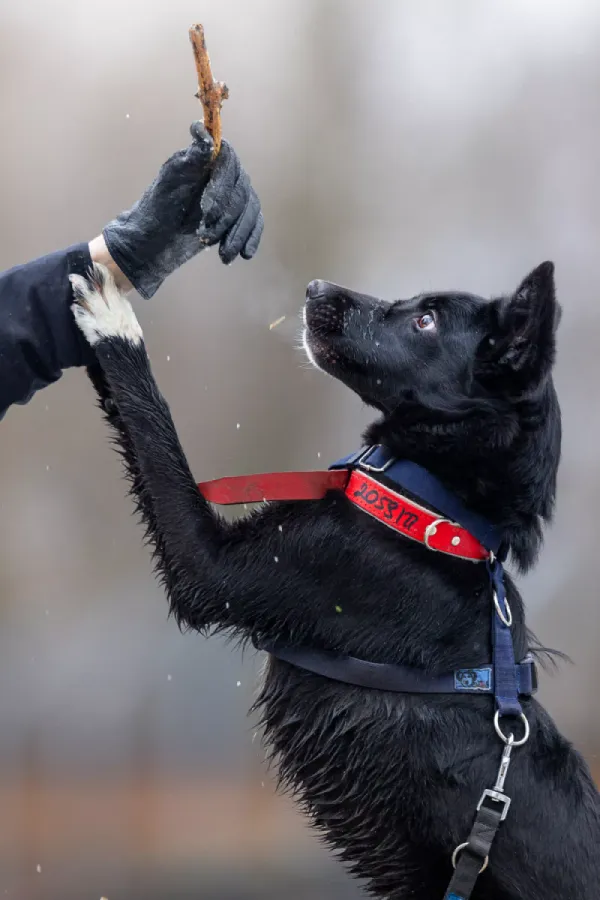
point(463, 383)
point(437, 344)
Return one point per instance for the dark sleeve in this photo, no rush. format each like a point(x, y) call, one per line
point(38, 334)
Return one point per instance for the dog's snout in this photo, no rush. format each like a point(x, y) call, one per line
point(317, 289)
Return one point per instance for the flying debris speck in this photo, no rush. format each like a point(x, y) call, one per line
point(38, 869)
point(280, 527)
point(126, 115)
point(238, 684)
point(276, 323)
point(169, 678)
point(238, 426)
point(168, 359)
point(276, 558)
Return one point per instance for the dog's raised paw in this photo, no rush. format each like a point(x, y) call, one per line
point(101, 310)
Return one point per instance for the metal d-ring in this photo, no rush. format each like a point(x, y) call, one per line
point(505, 619)
point(507, 740)
point(462, 847)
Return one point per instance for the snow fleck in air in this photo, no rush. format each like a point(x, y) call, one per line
point(126, 115)
point(338, 609)
point(169, 678)
point(276, 323)
point(319, 455)
point(47, 468)
point(276, 558)
point(280, 527)
point(227, 606)
point(262, 784)
point(47, 407)
point(379, 381)
point(38, 869)
point(238, 426)
point(238, 684)
point(168, 359)
point(47, 612)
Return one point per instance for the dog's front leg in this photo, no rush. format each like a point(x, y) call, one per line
point(205, 570)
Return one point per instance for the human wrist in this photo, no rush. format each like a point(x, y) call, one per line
point(100, 254)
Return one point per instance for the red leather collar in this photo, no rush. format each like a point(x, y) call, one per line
point(393, 509)
point(411, 519)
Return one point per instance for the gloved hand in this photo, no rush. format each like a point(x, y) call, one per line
point(192, 203)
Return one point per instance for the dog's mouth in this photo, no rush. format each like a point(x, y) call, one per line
point(325, 314)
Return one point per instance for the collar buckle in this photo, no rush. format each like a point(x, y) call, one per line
point(432, 529)
point(361, 462)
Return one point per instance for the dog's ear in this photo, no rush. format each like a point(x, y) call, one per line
point(517, 353)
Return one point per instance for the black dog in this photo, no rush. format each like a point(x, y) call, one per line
point(463, 387)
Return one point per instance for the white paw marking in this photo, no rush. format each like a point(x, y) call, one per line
point(101, 310)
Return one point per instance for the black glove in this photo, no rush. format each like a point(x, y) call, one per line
point(193, 203)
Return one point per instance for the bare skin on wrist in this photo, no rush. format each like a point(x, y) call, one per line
point(99, 253)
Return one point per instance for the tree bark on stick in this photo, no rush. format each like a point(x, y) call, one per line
point(211, 93)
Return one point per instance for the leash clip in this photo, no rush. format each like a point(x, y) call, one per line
point(496, 794)
point(496, 797)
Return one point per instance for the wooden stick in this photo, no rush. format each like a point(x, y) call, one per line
point(210, 93)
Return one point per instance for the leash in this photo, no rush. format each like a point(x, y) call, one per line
point(370, 480)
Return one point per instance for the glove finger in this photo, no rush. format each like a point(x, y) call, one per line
point(231, 207)
point(235, 239)
point(253, 241)
point(200, 134)
point(187, 164)
point(225, 175)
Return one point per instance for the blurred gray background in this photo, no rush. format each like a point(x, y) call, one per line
point(396, 147)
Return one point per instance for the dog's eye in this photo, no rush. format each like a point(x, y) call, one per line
point(426, 322)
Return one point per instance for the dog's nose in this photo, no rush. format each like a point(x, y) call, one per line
point(316, 288)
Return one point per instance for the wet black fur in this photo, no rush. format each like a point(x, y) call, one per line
point(390, 780)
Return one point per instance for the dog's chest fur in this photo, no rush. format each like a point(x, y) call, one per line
point(392, 780)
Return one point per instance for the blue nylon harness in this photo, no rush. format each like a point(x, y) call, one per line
point(503, 677)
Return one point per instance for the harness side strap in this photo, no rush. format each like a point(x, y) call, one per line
point(474, 854)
